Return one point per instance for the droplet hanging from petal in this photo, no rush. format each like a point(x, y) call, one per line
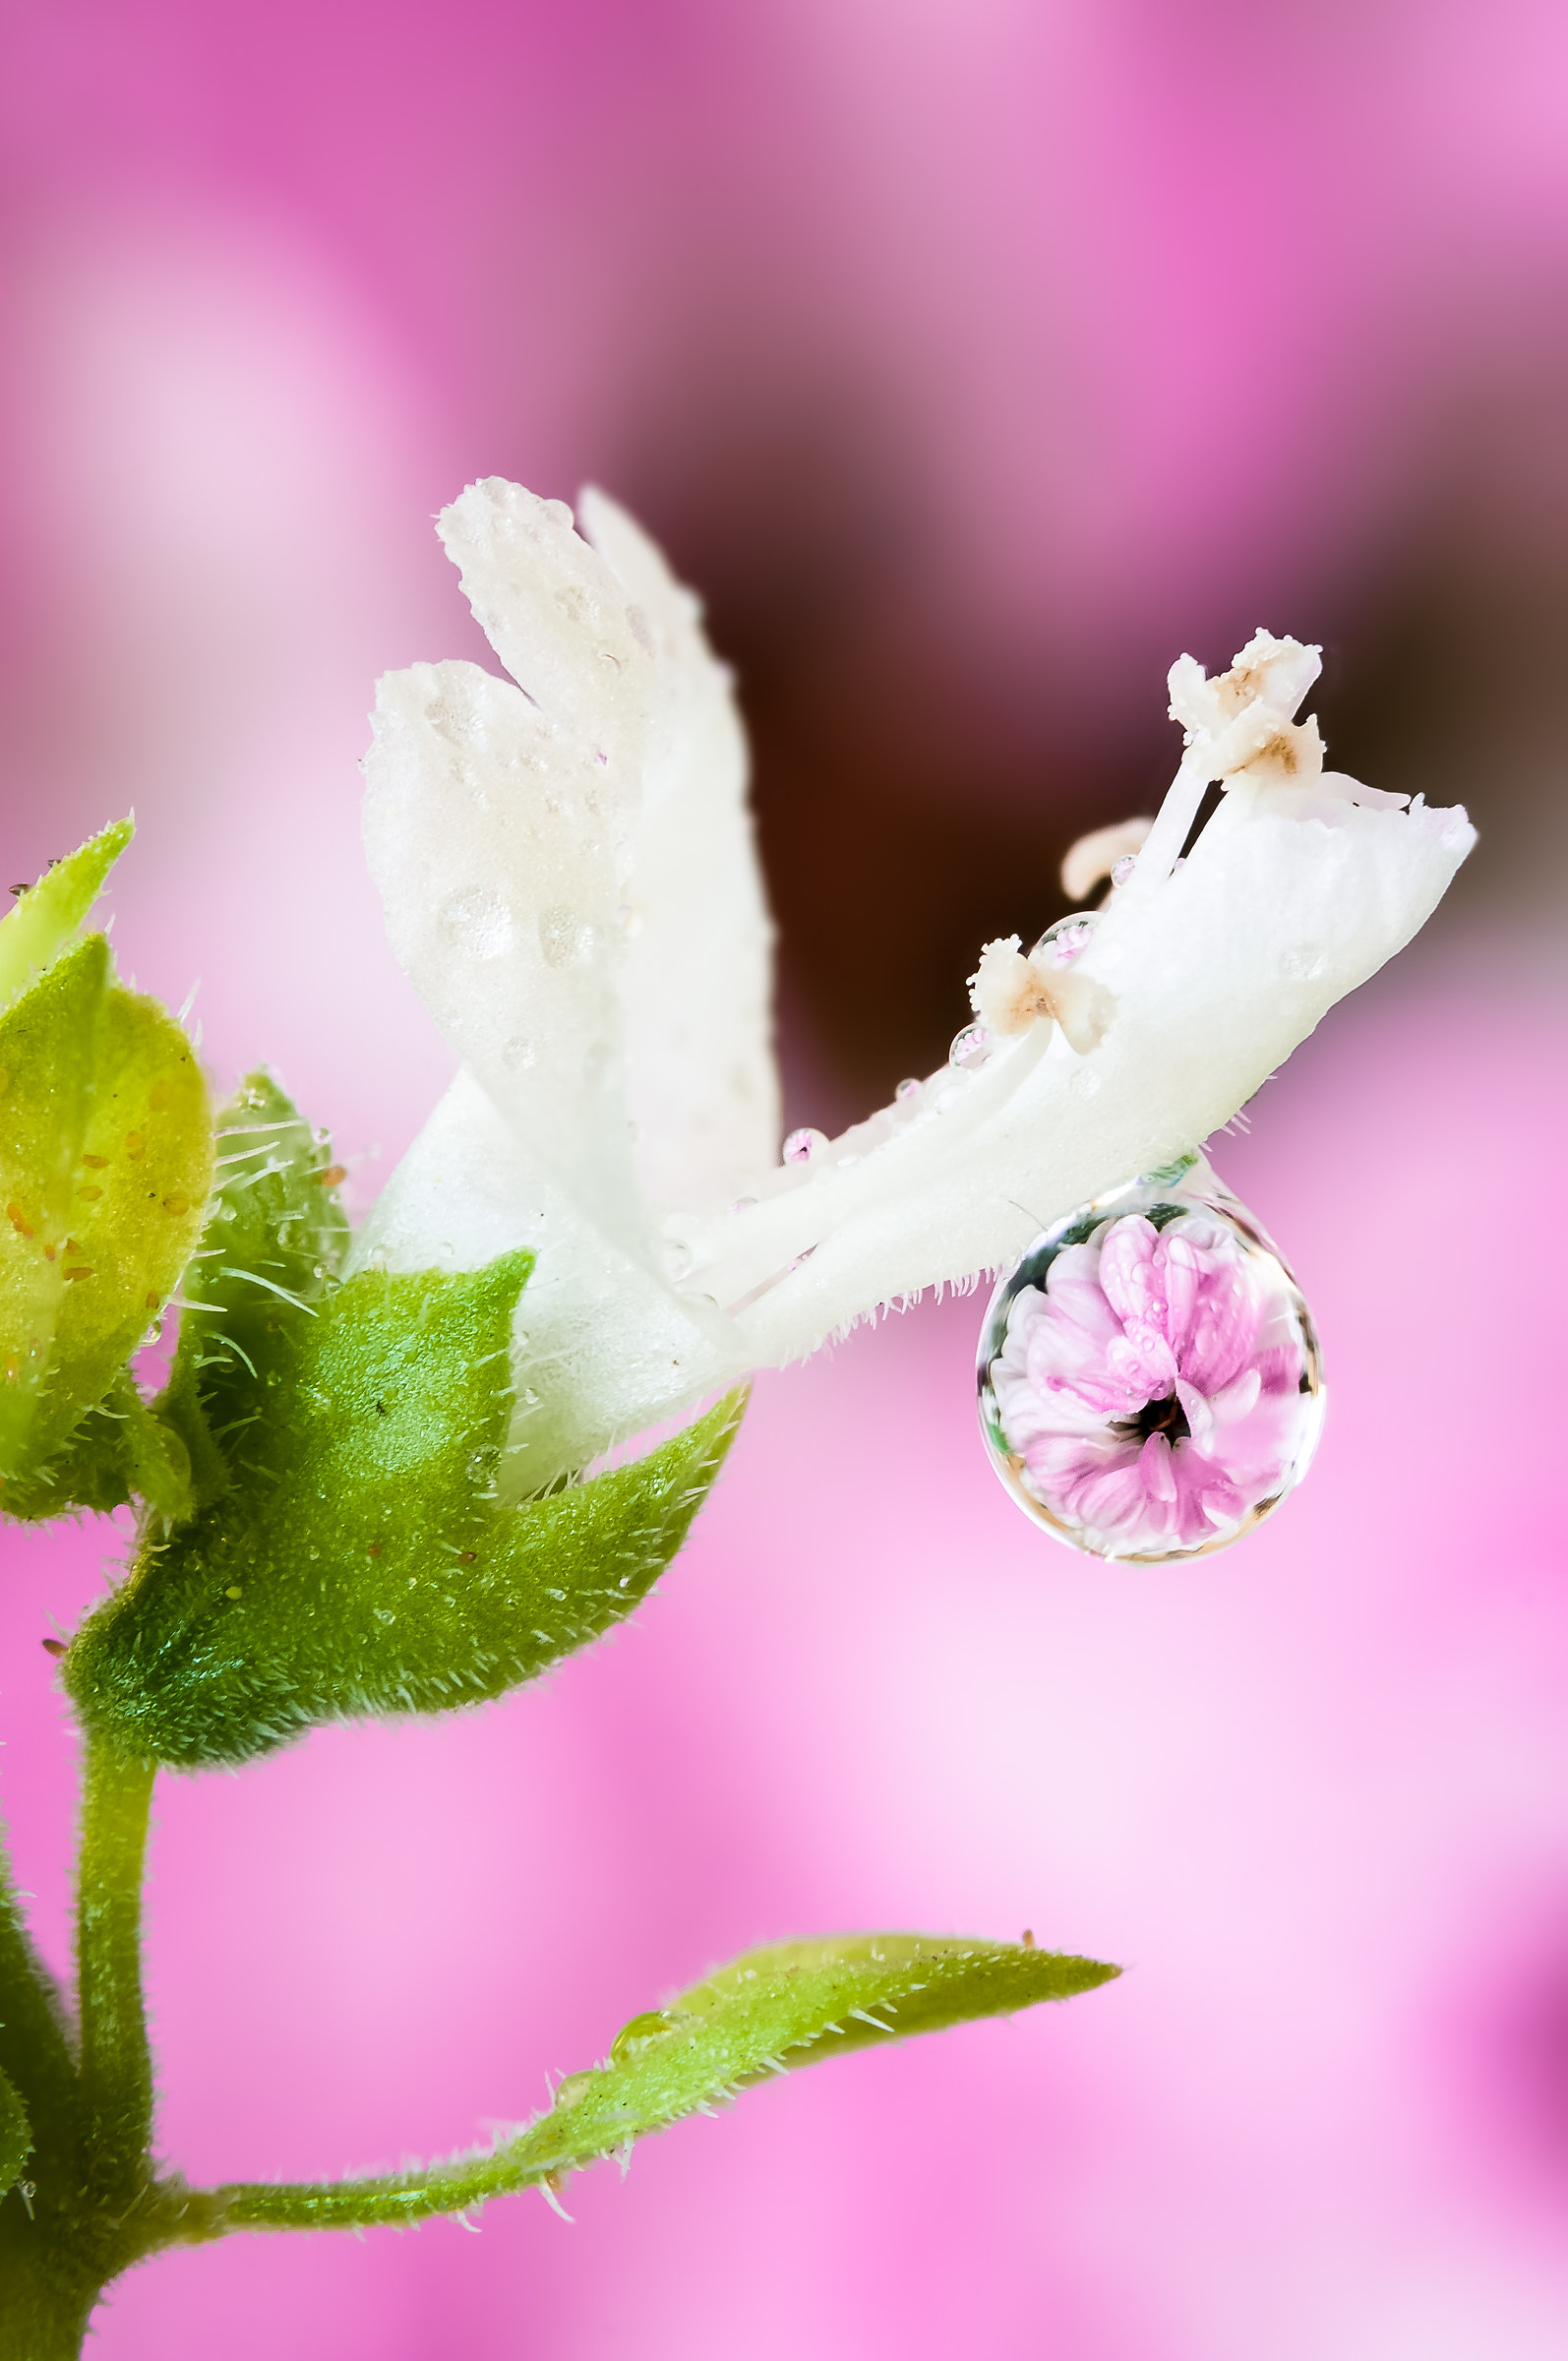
point(1150, 1382)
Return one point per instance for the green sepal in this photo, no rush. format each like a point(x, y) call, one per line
point(34, 934)
point(358, 1562)
point(789, 2005)
point(122, 1450)
point(16, 2133)
point(272, 1242)
point(106, 1159)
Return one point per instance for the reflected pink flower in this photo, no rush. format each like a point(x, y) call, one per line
point(1152, 1388)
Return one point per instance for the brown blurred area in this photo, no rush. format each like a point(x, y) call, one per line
point(911, 806)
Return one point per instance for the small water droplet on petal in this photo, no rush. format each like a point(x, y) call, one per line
point(971, 1048)
point(801, 1145)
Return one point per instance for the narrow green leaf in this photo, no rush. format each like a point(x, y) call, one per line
point(787, 2006)
point(106, 1158)
point(34, 934)
point(792, 2004)
point(358, 1562)
point(16, 2133)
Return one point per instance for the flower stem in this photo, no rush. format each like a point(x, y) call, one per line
point(115, 2074)
point(447, 2188)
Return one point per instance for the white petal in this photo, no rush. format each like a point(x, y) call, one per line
point(1216, 974)
point(496, 839)
point(702, 1088)
point(607, 1348)
point(559, 621)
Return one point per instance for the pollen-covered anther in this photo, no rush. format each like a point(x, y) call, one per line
point(1290, 755)
point(1009, 993)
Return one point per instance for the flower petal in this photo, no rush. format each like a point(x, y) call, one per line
point(697, 985)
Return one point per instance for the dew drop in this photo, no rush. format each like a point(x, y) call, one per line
point(1123, 868)
point(564, 938)
point(970, 1049)
point(1061, 944)
point(908, 1089)
point(743, 1205)
point(1158, 1469)
point(479, 924)
point(801, 1145)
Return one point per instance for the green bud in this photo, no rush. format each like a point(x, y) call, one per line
point(106, 1159)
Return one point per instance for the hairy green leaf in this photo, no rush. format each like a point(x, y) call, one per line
point(106, 1158)
point(358, 1562)
point(16, 2133)
point(34, 934)
point(789, 2005)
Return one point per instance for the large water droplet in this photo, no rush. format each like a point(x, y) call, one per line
point(801, 1145)
point(1150, 1382)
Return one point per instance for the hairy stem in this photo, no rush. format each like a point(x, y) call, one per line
point(447, 2188)
point(115, 2074)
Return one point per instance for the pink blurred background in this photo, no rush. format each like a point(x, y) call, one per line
point(975, 360)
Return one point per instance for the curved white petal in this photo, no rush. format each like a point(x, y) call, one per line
point(498, 844)
point(701, 1087)
point(1215, 974)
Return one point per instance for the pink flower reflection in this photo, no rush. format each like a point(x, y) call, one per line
point(1152, 1388)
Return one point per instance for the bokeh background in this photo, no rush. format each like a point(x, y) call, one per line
point(974, 359)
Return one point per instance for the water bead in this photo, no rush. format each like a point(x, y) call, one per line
point(801, 1145)
point(971, 1048)
point(907, 1090)
point(1149, 1376)
point(1123, 868)
point(1062, 943)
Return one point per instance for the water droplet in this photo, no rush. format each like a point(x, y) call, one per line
point(1061, 944)
point(479, 924)
point(679, 1261)
point(1149, 1376)
point(1123, 868)
point(907, 1090)
point(801, 1145)
point(971, 1048)
point(564, 938)
point(638, 2032)
point(529, 1397)
point(743, 1205)
point(1303, 961)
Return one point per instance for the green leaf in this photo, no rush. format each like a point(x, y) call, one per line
point(16, 2133)
point(790, 2005)
point(34, 934)
point(106, 1159)
point(358, 1562)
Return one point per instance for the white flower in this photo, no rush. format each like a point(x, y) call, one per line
point(570, 879)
